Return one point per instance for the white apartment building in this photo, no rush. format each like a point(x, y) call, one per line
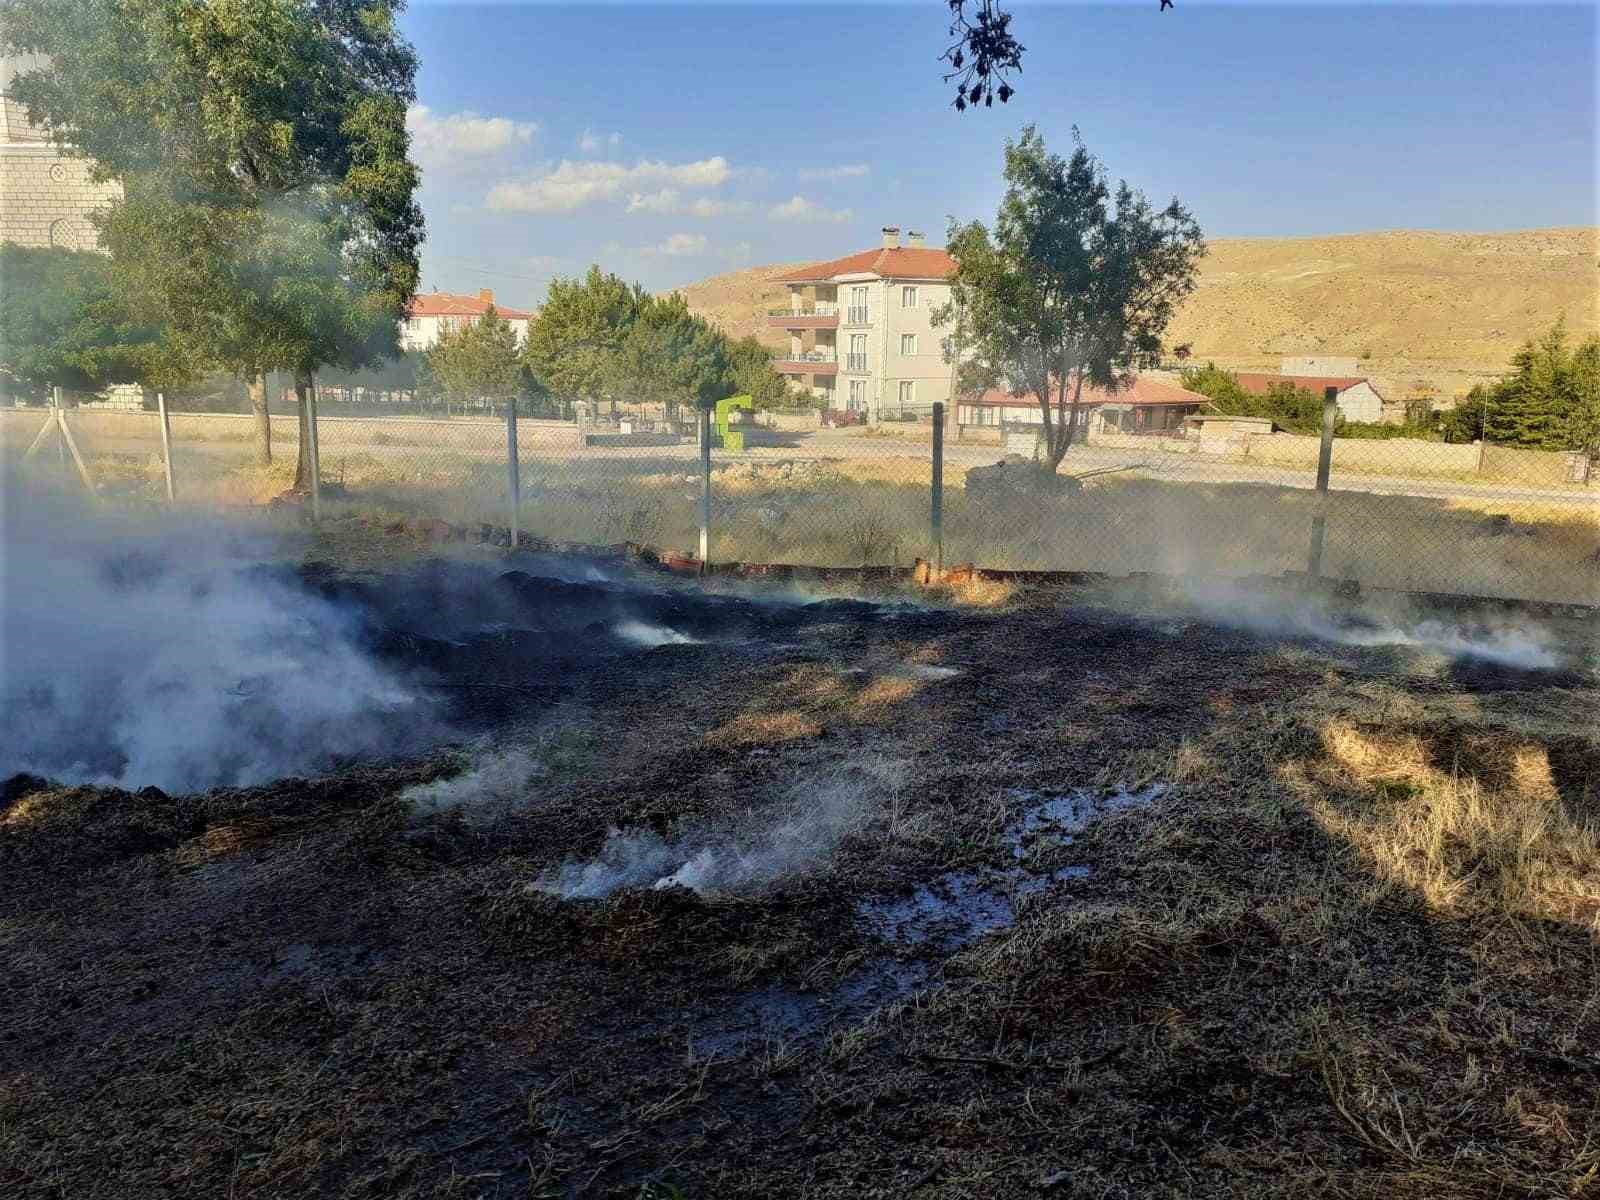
point(861, 336)
point(431, 314)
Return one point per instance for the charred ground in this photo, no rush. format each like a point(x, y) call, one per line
point(1348, 950)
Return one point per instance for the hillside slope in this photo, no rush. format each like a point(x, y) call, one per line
point(1418, 306)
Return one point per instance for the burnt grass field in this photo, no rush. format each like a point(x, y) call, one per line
point(1109, 900)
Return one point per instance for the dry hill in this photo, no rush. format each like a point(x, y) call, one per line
point(1442, 308)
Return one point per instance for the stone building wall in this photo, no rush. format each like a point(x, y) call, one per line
point(45, 196)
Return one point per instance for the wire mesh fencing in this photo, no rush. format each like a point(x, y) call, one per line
point(1399, 513)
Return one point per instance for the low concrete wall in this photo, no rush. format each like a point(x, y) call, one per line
point(1392, 456)
point(794, 422)
point(1532, 466)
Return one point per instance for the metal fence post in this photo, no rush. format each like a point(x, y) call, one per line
point(936, 512)
point(1319, 523)
point(513, 467)
point(316, 451)
point(166, 445)
point(61, 441)
point(705, 489)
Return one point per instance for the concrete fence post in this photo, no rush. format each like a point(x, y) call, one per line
point(1319, 522)
point(513, 468)
point(936, 508)
point(166, 445)
point(705, 490)
point(315, 451)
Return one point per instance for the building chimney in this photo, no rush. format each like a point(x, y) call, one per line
point(486, 295)
point(914, 239)
point(891, 237)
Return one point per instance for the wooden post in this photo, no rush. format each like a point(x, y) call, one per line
point(166, 444)
point(316, 450)
point(61, 428)
point(77, 459)
point(705, 489)
point(513, 467)
point(1319, 523)
point(937, 509)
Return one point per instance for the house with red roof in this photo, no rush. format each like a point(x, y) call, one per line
point(1358, 400)
point(861, 337)
point(1139, 406)
point(432, 314)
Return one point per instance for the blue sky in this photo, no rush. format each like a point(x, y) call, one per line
point(672, 142)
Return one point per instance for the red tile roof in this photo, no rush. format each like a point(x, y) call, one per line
point(906, 262)
point(1260, 383)
point(447, 304)
point(1141, 391)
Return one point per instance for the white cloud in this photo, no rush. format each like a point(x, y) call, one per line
point(679, 245)
point(442, 141)
point(847, 171)
point(798, 208)
point(590, 142)
point(574, 185)
point(670, 200)
point(739, 253)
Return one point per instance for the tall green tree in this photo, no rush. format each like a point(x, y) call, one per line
point(671, 357)
point(269, 210)
point(1075, 285)
point(62, 322)
point(751, 374)
point(479, 361)
point(1543, 403)
point(573, 343)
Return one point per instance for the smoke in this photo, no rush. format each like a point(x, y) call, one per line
point(642, 634)
point(136, 655)
point(812, 821)
point(1511, 644)
point(491, 787)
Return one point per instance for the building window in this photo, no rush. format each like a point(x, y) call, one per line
point(857, 360)
point(858, 395)
point(908, 394)
point(858, 307)
point(908, 344)
point(908, 297)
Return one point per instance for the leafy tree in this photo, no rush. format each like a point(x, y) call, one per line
point(1548, 400)
point(1075, 286)
point(269, 209)
point(479, 361)
point(670, 356)
point(62, 323)
point(750, 373)
point(573, 342)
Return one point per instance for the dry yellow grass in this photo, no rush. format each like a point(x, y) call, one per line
point(1495, 839)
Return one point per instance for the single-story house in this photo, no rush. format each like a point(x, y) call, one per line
point(1358, 399)
point(1143, 406)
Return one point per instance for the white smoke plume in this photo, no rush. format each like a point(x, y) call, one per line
point(134, 654)
point(811, 822)
point(1506, 643)
point(643, 634)
point(492, 786)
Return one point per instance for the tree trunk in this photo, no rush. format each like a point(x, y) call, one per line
point(256, 383)
point(302, 465)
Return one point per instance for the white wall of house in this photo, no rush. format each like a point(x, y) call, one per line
point(1361, 403)
point(423, 333)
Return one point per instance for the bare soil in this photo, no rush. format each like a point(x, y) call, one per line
point(1337, 939)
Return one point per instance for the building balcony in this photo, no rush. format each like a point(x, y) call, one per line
point(821, 315)
point(820, 361)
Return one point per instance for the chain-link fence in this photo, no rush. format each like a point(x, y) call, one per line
point(1207, 497)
